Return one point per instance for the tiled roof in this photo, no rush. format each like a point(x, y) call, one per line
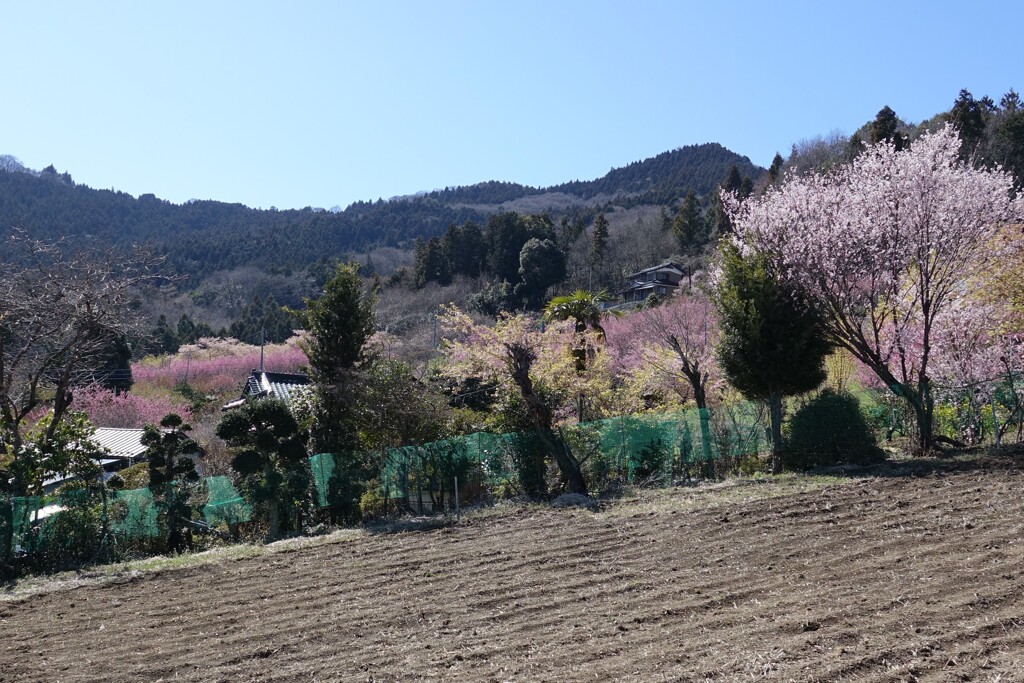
point(281, 385)
point(667, 265)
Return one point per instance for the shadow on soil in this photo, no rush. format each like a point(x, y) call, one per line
point(1010, 457)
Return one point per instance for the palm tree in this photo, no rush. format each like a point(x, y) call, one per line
point(583, 307)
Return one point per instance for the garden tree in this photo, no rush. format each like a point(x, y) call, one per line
point(882, 248)
point(688, 225)
point(585, 310)
point(171, 474)
point(885, 128)
point(599, 240)
point(58, 314)
point(338, 325)
point(679, 339)
point(541, 265)
point(48, 448)
point(270, 456)
point(772, 342)
point(528, 367)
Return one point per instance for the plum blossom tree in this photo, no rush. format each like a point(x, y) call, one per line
point(884, 247)
point(677, 340)
point(539, 366)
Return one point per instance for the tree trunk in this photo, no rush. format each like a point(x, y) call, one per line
point(519, 360)
point(924, 411)
point(775, 408)
point(273, 526)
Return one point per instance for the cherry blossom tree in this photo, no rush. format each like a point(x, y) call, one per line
point(884, 247)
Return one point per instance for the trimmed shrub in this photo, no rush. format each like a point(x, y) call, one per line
point(829, 430)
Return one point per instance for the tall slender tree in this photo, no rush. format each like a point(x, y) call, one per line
point(773, 344)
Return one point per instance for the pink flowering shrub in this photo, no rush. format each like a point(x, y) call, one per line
point(130, 410)
point(216, 366)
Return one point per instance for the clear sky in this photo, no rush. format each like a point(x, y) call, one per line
point(294, 104)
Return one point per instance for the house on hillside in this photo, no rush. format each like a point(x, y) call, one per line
point(660, 280)
point(123, 448)
point(280, 385)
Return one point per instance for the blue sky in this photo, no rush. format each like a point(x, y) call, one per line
point(325, 103)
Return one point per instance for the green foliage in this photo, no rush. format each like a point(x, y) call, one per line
point(541, 265)
point(431, 262)
point(886, 127)
point(270, 457)
point(599, 240)
point(772, 340)
point(172, 473)
point(688, 225)
point(373, 504)
point(261, 320)
point(828, 430)
point(338, 324)
point(48, 449)
point(648, 465)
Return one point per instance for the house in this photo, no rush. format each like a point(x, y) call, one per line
point(660, 280)
point(123, 447)
point(280, 385)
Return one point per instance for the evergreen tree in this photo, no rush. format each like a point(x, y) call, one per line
point(171, 473)
point(885, 127)
point(270, 456)
point(688, 225)
point(967, 116)
point(775, 170)
point(542, 264)
point(599, 240)
point(338, 325)
point(773, 344)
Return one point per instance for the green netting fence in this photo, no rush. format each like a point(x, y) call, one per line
point(635, 448)
point(71, 523)
point(631, 448)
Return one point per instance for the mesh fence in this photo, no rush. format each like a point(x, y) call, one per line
point(635, 448)
point(224, 505)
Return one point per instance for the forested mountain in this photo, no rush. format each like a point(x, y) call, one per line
point(200, 237)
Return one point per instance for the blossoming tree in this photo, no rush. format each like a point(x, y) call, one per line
point(884, 246)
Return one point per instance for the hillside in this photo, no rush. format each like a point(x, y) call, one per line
point(912, 575)
point(201, 237)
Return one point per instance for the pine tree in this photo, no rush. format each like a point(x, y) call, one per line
point(688, 225)
point(599, 240)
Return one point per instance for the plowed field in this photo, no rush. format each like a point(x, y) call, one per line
point(914, 577)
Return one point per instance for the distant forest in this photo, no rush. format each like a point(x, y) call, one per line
point(201, 237)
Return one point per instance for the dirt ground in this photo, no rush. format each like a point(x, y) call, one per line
point(915, 577)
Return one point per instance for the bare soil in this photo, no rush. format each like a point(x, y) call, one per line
point(916, 575)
